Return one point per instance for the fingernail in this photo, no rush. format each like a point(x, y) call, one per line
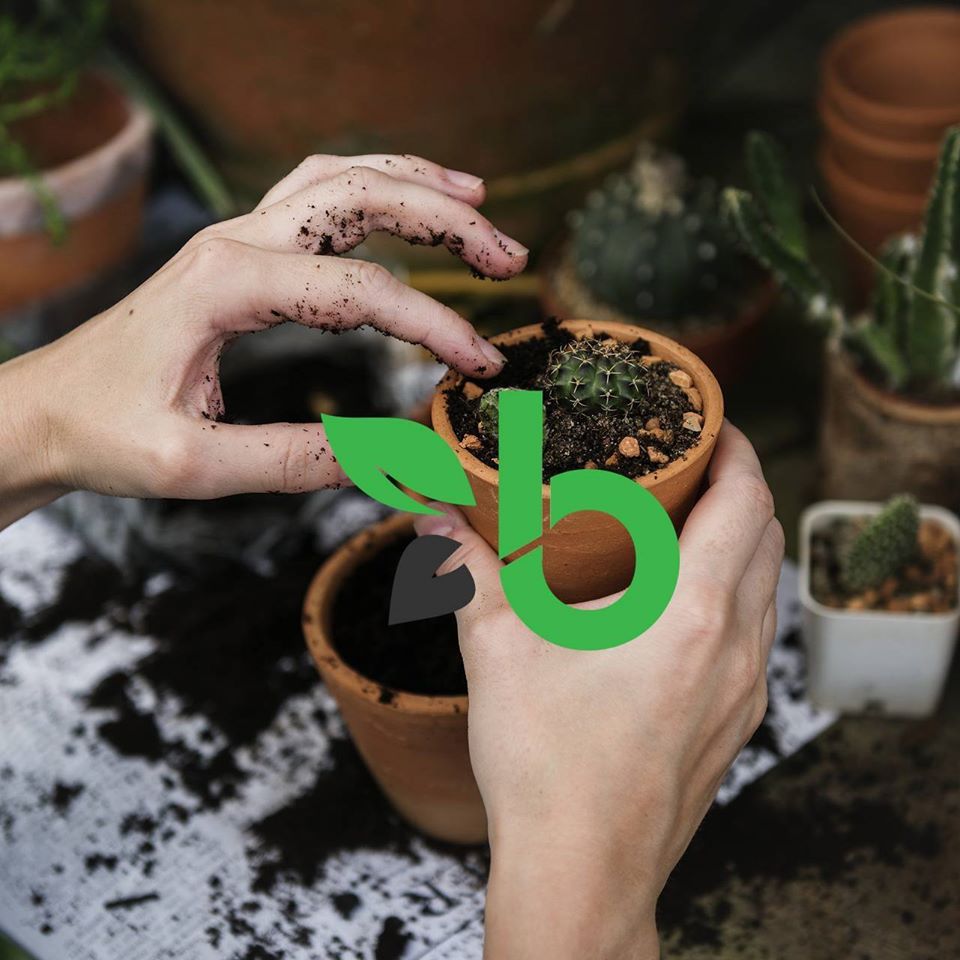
point(466, 180)
point(491, 353)
point(513, 247)
point(437, 525)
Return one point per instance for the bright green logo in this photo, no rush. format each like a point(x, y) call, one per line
point(374, 452)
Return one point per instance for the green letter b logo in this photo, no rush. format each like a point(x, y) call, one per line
point(648, 524)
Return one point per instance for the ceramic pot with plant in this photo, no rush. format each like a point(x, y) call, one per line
point(891, 420)
point(649, 247)
point(616, 397)
point(401, 689)
point(74, 152)
point(881, 603)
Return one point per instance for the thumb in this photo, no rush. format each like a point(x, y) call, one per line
point(474, 553)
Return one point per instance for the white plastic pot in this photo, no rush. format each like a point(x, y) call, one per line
point(870, 660)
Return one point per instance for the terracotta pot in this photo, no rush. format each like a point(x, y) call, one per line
point(869, 215)
point(415, 746)
point(589, 554)
point(874, 443)
point(897, 75)
point(896, 166)
point(726, 348)
point(100, 146)
point(501, 96)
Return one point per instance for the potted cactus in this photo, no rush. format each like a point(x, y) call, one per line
point(616, 397)
point(891, 419)
point(74, 152)
point(401, 689)
point(879, 591)
point(649, 246)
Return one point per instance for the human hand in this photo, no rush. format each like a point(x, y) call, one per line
point(596, 767)
point(128, 403)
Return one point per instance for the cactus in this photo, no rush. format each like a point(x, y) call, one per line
point(650, 242)
point(488, 412)
point(593, 375)
point(882, 547)
point(911, 338)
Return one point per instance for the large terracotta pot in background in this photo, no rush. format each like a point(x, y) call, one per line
point(589, 554)
point(874, 443)
point(898, 166)
point(94, 155)
point(727, 348)
point(896, 75)
point(533, 99)
point(415, 746)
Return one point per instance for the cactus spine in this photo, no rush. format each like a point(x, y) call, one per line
point(593, 375)
point(882, 547)
point(911, 338)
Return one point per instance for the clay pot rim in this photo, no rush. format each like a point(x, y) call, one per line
point(317, 627)
point(703, 380)
point(761, 296)
point(895, 405)
point(69, 179)
point(840, 128)
point(853, 103)
point(888, 201)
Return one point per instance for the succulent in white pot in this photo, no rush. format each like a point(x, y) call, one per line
point(880, 592)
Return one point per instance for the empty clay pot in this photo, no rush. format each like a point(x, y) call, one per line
point(726, 348)
point(897, 166)
point(589, 554)
point(897, 75)
point(98, 148)
point(415, 746)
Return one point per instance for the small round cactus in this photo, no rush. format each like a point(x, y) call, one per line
point(882, 547)
point(650, 242)
point(488, 412)
point(593, 375)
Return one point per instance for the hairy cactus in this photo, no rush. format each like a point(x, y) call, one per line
point(911, 338)
point(882, 547)
point(650, 242)
point(593, 375)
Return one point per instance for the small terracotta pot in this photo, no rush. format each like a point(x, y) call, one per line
point(100, 143)
point(589, 554)
point(874, 443)
point(897, 75)
point(896, 166)
point(727, 348)
point(415, 746)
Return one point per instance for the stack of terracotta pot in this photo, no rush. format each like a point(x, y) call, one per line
point(889, 87)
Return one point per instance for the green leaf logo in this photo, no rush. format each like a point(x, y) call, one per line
point(377, 453)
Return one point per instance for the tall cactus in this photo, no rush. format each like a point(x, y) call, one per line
point(911, 338)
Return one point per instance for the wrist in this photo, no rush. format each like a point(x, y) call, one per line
point(554, 892)
point(27, 477)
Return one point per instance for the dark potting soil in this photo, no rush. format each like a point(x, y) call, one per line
point(572, 439)
point(421, 657)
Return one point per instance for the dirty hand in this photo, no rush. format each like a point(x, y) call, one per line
point(597, 766)
point(128, 402)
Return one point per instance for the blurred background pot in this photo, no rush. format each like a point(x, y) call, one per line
point(415, 746)
point(874, 443)
point(859, 660)
point(896, 75)
point(589, 554)
point(93, 154)
point(903, 167)
point(501, 96)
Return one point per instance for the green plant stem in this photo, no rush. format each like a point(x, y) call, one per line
point(196, 166)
